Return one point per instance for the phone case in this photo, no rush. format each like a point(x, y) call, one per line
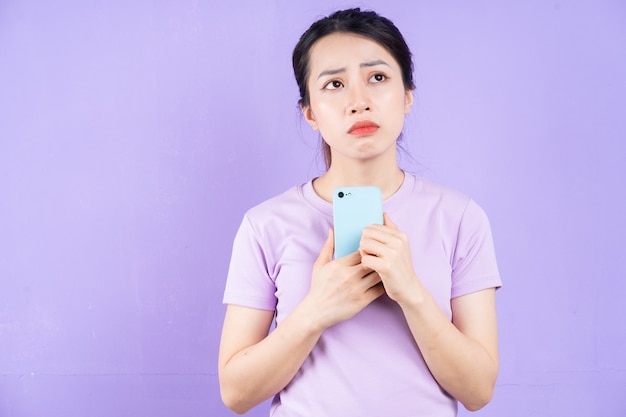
point(354, 208)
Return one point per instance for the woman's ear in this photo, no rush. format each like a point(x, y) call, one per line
point(309, 116)
point(408, 101)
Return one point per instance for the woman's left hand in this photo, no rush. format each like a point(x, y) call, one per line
point(385, 249)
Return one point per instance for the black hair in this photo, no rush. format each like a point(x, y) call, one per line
point(368, 24)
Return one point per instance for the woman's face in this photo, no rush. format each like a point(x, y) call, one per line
point(357, 97)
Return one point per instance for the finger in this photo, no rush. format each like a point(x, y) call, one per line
point(379, 232)
point(373, 241)
point(351, 259)
point(369, 281)
point(369, 248)
point(373, 262)
point(375, 291)
point(372, 279)
point(387, 221)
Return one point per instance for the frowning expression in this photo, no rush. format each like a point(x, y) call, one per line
point(357, 96)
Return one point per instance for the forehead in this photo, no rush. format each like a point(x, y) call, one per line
point(339, 50)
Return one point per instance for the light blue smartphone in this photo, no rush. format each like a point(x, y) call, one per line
point(354, 208)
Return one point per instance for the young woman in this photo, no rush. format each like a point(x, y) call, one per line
point(406, 325)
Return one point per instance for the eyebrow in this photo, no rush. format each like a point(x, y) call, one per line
point(363, 65)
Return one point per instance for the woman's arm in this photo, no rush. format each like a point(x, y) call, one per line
point(254, 366)
point(462, 355)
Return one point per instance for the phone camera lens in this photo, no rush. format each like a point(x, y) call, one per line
point(340, 194)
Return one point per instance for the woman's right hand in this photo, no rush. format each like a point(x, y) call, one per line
point(255, 365)
point(342, 287)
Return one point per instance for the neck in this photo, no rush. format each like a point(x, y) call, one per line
point(386, 176)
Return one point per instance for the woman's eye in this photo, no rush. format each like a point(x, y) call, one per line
point(333, 85)
point(377, 78)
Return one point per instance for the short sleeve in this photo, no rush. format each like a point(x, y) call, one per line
point(474, 265)
point(248, 283)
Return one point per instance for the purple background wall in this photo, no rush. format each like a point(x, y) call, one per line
point(134, 135)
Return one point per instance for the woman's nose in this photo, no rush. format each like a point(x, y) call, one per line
point(359, 108)
point(359, 100)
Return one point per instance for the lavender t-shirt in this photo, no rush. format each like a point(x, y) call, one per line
point(368, 365)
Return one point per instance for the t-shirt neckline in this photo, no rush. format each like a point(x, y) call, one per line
point(325, 207)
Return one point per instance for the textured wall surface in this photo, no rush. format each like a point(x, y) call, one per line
point(134, 135)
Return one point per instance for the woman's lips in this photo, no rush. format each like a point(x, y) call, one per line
point(364, 127)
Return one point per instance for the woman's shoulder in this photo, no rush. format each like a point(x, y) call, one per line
point(447, 200)
point(426, 188)
point(433, 186)
point(297, 201)
point(279, 202)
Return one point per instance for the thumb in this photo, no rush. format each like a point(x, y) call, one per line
point(387, 221)
point(326, 254)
